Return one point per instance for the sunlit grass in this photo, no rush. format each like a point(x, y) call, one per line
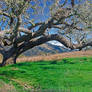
point(68, 75)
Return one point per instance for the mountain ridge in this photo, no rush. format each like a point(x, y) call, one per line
point(46, 49)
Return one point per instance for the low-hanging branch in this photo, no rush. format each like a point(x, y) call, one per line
point(30, 44)
point(21, 34)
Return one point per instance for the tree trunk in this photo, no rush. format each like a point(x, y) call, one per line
point(9, 57)
point(8, 60)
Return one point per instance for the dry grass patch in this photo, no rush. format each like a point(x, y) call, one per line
point(23, 84)
point(57, 56)
point(6, 87)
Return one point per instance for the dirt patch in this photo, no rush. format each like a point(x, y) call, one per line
point(23, 84)
point(6, 87)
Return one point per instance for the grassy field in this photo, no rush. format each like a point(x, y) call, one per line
point(66, 75)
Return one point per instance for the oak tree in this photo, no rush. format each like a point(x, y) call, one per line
point(25, 24)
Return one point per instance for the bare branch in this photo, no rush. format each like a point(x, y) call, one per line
point(38, 33)
point(72, 26)
point(72, 3)
point(64, 3)
point(61, 39)
point(24, 30)
point(35, 25)
point(4, 13)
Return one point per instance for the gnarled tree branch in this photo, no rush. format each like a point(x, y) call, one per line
point(61, 39)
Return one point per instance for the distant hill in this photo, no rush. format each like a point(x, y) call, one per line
point(46, 49)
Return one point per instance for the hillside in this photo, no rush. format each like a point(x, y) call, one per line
point(67, 75)
point(46, 49)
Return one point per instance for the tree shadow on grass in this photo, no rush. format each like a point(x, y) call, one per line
point(53, 62)
point(11, 73)
point(21, 64)
point(49, 68)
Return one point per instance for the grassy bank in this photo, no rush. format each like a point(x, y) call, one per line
point(67, 75)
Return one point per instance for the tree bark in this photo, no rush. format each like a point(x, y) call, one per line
point(8, 60)
point(9, 57)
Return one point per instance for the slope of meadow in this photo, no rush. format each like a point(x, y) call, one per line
point(66, 75)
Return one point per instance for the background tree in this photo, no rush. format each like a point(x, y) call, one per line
point(29, 23)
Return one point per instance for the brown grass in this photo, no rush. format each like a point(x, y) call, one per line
point(6, 87)
point(57, 56)
point(23, 84)
point(10, 88)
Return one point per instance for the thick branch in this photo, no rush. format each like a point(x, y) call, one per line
point(38, 33)
point(36, 42)
point(4, 35)
point(4, 13)
point(36, 24)
point(61, 39)
point(24, 30)
point(43, 28)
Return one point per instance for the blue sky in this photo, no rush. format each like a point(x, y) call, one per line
point(46, 12)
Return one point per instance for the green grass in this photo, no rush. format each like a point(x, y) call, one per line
point(67, 75)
